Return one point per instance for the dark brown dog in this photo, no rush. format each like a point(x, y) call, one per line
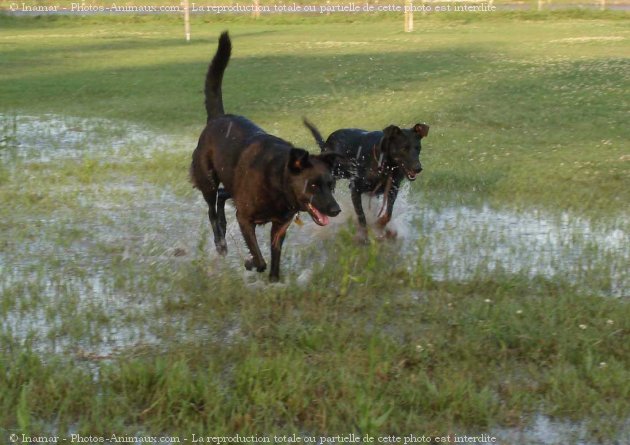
point(268, 178)
point(382, 159)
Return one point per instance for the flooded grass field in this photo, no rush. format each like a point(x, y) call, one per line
point(500, 308)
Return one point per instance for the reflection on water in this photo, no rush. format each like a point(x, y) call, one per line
point(49, 137)
point(89, 256)
point(460, 242)
point(546, 431)
point(86, 264)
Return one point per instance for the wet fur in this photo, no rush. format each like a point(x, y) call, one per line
point(376, 162)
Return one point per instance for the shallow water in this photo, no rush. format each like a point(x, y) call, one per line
point(48, 137)
point(94, 258)
point(88, 263)
point(460, 242)
point(544, 430)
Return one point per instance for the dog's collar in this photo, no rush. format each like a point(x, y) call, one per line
point(294, 205)
point(381, 164)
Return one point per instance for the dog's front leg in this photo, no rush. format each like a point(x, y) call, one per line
point(278, 233)
point(391, 199)
point(248, 229)
point(386, 218)
point(358, 208)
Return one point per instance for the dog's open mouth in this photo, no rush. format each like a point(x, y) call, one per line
point(319, 218)
point(411, 176)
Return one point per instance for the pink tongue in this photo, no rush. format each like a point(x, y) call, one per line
point(321, 218)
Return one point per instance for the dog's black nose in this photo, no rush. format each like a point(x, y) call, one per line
point(334, 210)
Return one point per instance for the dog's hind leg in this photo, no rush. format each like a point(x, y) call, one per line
point(204, 178)
point(222, 196)
point(209, 188)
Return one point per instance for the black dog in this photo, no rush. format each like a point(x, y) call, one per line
point(382, 159)
point(268, 178)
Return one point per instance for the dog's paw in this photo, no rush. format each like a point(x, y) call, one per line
point(390, 234)
point(221, 248)
point(386, 234)
point(250, 264)
point(361, 237)
point(382, 221)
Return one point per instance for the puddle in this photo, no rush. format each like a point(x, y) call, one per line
point(111, 258)
point(546, 431)
point(92, 282)
point(53, 264)
point(109, 243)
point(48, 137)
point(462, 242)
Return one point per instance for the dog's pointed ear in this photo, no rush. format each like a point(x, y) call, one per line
point(392, 131)
point(298, 160)
point(421, 130)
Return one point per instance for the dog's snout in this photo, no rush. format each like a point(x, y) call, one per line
point(334, 210)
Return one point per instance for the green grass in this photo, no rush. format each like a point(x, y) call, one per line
point(68, 4)
point(532, 4)
point(461, 78)
point(106, 330)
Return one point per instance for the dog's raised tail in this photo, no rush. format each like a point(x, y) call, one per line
point(316, 134)
point(214, 78)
